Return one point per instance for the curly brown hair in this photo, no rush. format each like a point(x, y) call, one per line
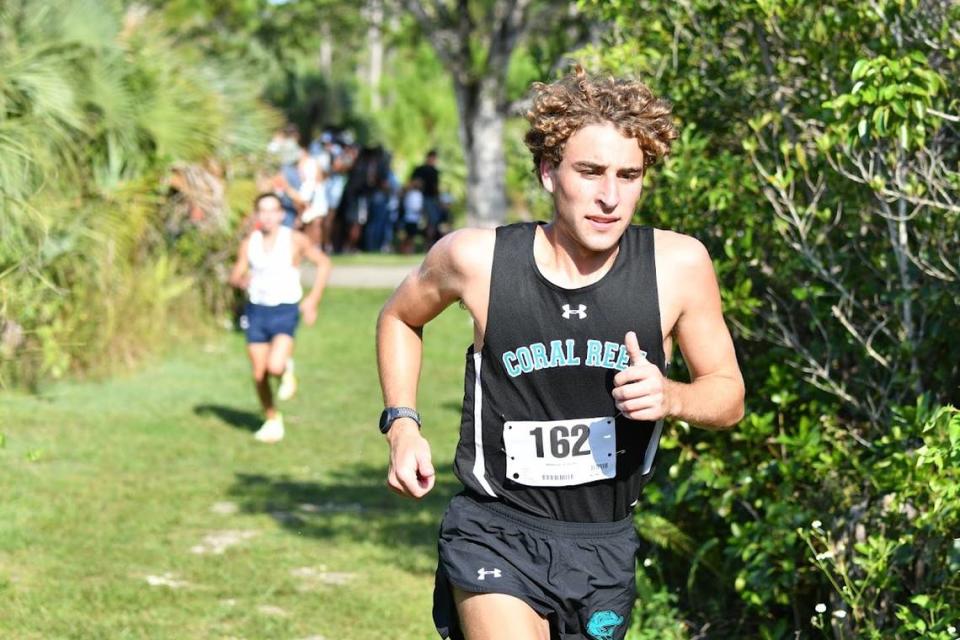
point(562, 108)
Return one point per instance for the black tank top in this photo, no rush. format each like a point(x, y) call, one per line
point(529, 435)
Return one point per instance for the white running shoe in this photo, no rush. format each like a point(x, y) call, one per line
point(288, 385)
point(271, 431)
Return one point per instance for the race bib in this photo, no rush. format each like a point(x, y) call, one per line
point(560, 453)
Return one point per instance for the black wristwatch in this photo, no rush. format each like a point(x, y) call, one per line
point(391, 414)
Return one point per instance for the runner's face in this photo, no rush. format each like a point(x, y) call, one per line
point(269, 214)
point(596, 186)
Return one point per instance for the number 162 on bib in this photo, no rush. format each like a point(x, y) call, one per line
point(560, 453)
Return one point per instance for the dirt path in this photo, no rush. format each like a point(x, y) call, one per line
point(361, 276)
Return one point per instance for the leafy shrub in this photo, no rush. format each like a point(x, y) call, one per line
point(97, 110)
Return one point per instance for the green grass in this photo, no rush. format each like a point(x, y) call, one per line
point(105, 483)
point(377, 259)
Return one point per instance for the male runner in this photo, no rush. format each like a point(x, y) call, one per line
point(574, 323)
point(267, 267)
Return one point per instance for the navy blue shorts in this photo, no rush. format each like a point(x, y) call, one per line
point(579, 576)
point(263, 323)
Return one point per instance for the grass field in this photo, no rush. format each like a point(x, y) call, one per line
point(377, 259)
point(141, 507)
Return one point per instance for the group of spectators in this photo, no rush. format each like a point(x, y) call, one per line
point(347, 198)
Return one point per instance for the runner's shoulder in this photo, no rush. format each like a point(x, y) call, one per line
point(244, 244)
point(680, 252)
point(466, 251)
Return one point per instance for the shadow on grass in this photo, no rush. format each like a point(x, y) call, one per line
point(454, 406)
point(233, 417)
point(354, 506)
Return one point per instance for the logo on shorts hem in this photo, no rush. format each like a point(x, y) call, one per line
point(482, 573)
point(603, 624)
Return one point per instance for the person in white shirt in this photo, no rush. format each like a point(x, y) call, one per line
point(412, 214)
point(315, 194)
point(267, 267)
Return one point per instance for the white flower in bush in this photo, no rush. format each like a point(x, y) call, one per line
point(816, 524)
point(820, 608)
point(840, 613)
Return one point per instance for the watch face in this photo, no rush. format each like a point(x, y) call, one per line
point(390, 414)
point(385, 420)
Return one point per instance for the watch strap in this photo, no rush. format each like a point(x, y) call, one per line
point(392, 414)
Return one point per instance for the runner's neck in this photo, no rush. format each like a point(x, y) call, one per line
point(270, 237)
point(567, 263)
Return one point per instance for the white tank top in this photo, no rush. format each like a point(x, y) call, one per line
point(273, 278)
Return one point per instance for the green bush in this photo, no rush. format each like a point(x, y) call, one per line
point(655, 616)
point(783, 520)
point(99, 110)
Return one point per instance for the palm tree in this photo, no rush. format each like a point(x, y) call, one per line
point(96, 107)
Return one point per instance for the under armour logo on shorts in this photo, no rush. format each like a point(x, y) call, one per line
point(483, 573)
point(580, 312)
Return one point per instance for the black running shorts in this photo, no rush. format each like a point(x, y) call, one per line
point(579, 576)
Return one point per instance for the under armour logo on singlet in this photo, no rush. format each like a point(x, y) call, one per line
point(483, 573)
point(580, 312)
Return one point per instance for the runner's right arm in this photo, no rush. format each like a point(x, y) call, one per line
point(423, 295)
point(308, 306)
point(239, 276)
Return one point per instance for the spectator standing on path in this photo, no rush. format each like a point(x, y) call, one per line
point(364, 200)
point(267, 267)
point(376, 231)
point(301, 172)
point(341, 159)
point(565, 386)
point(394, 194)
point(317, 220)
point(412, 214)
point(292, 182)
point(314, 216)
point(429, 177)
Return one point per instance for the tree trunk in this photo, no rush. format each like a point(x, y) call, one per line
point(460, 42)
point(482, 118)
point(326, 50)
point(899, 241)
point(375, 45)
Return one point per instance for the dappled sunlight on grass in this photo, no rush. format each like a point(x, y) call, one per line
point(353, 505)
point(147, 495)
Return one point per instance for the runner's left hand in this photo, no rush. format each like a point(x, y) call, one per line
point(640, 390)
